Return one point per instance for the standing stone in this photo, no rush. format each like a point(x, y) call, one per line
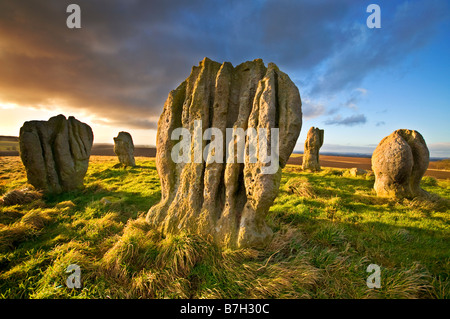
point(399, 162)
point(313, 143)
point(56, 153)
point(226, 202)
point(124, 149)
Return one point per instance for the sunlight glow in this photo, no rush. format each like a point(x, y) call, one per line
point(104, 129)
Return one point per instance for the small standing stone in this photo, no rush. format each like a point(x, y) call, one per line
point(124, 149)
point(313, 143)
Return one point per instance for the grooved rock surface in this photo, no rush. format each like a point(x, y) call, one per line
point(226, 202)
point(124, 149)
point(314, 141)
point(56, 153)
point(399, 162)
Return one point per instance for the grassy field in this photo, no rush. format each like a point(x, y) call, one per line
point(328, 227)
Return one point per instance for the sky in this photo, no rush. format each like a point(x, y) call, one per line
point(115, 72)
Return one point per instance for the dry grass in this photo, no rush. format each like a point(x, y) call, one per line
point(182, 267)
point(411, 283)
point(152, 266)
point(443, 164)
point(20, 197)
point(430, 203)
point(25, 228)
point(9, 216)
point(301, 187)
point(37, 219)
point(12, 235)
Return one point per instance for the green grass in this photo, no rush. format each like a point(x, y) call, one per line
point(328, 227)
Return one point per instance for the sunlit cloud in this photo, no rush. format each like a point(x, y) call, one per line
point(8, 106)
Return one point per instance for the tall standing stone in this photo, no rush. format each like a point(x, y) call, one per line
point(399, 162)
point(56, 153)
point(124, 149)
point(313, 143)
point(226, 202)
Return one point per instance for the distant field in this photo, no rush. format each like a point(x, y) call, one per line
point(7, 146)
point(443, 165)
point(108, 150)
point(328, 227)
point(436, 169)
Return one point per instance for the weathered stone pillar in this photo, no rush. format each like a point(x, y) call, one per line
point(124, 149)
point(313, 143)
point(399, 162)
point(226, 201)
point(56, 153)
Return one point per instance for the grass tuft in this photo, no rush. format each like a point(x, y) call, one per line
point(20, 197)
point(300, 186)
point(11, 236)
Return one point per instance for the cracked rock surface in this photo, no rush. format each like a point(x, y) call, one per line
point(399, 162)
point(56, 153)
point(313, 143)
point(124, 149)
point(226, 202)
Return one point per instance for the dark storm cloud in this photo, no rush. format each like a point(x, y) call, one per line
point(347, 121)
point(128, 55)
point(302, 34)
point(120, 65)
